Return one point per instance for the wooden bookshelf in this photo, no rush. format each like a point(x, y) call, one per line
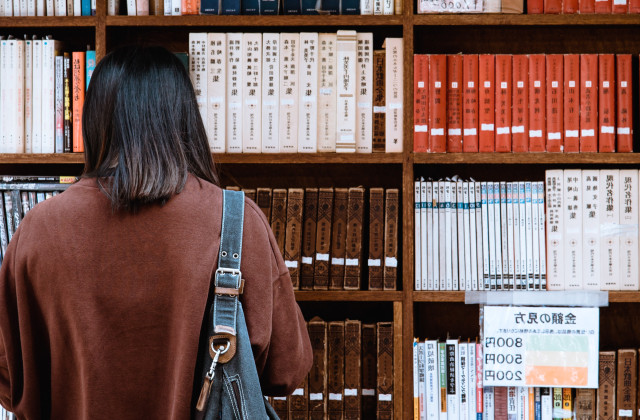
point(349, 296)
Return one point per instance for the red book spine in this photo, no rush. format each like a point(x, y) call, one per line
point(555, 78)
point(571, 103)
point(570, 6)
point(537, 91)
point(503, 103)
point(520, 118)
point(421, 103)
point(437, 103)
point(454, 103)
point(587, 6)
point(535, 7)
point(470, 103)
point(603, 6)
point(588, 102)
point(486, 97)
point(190, 7)
point(606, 103)
point(634, 6)
point(624, 103)
point(620, 7)
point(552, 7)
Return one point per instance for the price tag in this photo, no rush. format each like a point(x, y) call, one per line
point(534, 346)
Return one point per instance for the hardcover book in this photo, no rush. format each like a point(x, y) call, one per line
point(293, 235)
point(323, 239)
point(338, 238)
point(309, 238)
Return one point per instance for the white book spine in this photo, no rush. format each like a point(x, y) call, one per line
point(497, 226)
point(529, 233)
point(346, 46)
point(5, 100)
point(535, 235)
point(366, 7)
point(270, 92)
point(522, 234)
point(19, 111)
point(492, 236)
point(59, 92)
point(486, 264)
point(394, 62)
point(546, 404)
point(512, 403)
point(235, 81)
point(176, 7)
point(541, 237)
point(197, 67)
point(113, 7)
point(463, 380)
point(473, 233)
point(448, 236)
point(488, 403)
point(49, 48)
point(8, 8)
point(468, 238)
point(572, 199)
point(473, 382)
point(308, 124)
point(61, 7)
point(31, 7)
point(77, 8)
point(517, 272)
point(442, 236)
point(590, 228)
point(93, 4)
point(216, 91)
point(609, 221)
point(289, 52)
point(377, 7)
point(510, 237)
point(432, 381)
point(460, 245)
point(36, 127)
point(252, 93)
point(417, 252)
point(479, 234)
point(167, 8)
point(387, 7)
point(28, 95)
point(433, 279)
point(453, 392)
point(504, 240)
point(629, 229)
point(455, 275)
point(364, 93)
point(40, 10)
point(422, 379)
point(417, 371)
point(131, 8)
point(424, 239)
point(327, 95)
point(523, 407)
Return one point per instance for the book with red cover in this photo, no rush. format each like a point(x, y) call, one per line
point(588, 102)
point(555, 80)
point(603, 6)
point(470, 103)
point(634, 6)
point(606, 103)
point(535, 7)
point(486, 98)
point(587, 6)
point(503, 103)
point(552, 7)
point(190, 7)
point(520, 106)
point(437, 103)
point(421, 103)
point(620, 7)
point(624, 104)
point(571, 103)
point(570, 6)
point(537, 90)
point(454, 103)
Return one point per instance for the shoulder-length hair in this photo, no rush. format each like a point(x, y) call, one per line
point(141, 127)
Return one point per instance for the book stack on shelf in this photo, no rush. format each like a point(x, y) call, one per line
point(583, 6)
point(24, 8)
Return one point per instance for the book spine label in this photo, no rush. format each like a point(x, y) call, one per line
point(308, 112)
point(323, 239)
point(234, 92)
point(571, 103)
point(454, 103)
point(364, 93)
point(338, 238)
point(555, 78)
point(394, 95)
point(589, 102)
point(379, 98)
point(216, 91)
point(346, 47)
point(289, 88)
point(270, 92)
point(437, 103)
point(520, 111)
point(503, 87)
point(327, 97)
point(606, 103)
point(470, 103)
point(309, 238)
point(537, 90)
point(421, 104)
point(624, 104)
point(252, 92)
point(486, 96)
point(376, 238)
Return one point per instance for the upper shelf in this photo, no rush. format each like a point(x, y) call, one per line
point(48, 21)
point(528, 158)
point(255, 21)
point(524, 20)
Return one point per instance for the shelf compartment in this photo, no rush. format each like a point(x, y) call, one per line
point(524, 20)
point(41, 158)
point(255, 21)
point(348, 296)
point(48, 21)
point(308, 158)
point(527, 158)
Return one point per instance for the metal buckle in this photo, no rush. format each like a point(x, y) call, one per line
point(225, 270)
point(238, 290)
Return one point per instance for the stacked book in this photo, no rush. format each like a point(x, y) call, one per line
point(47, 8)
point(298, 92)
point(523, 103)
point(479, 235)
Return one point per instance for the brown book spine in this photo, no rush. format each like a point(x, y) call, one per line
point(385, 371)
point(323, 239)
point(309, 237)
point(379, 113)
point(338, 238)
point(352, 372)
point(250, 193)
point(280, 406)
point(294, 234)
point(585, 404)
point(318, 373)
point(376, 238)
point(355, 214)
point(626, 384)
point(335, 370)
point(299, 402)
point(391, 239)
point(369, 371)
point(279, 217)
point(263, 197)
point(606, 407)
point(500, 400)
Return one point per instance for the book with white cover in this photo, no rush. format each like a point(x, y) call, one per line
point(176, 7)
point(609, 221)
point(308, 114)
point(364, 93)
point(474, 230)
point(270, 92)
point(28, 94)
point(472, 382)
point(510, 238)
point(31, 7)
point(113, 7)
point(36, 122)
point(529, 236)
point(417, 252)
point(366, 7)
point(516, 236)
point(289, 72)
point(489, 406)
point(546, 404)
point(590, 228)
point(455, 279)
point(216, 103)
point(59, 135)
point(468, 236)
point(504, 240)
point(460, 259)
point(5, 95)
point(497, 226)
point(19, 89)
point(442, 236)
point(387, 7)
point(416, 374)
point(448, 239)
point(433, 266)
point(542, 237)
point(40, 10)
point(432, 380)
point(61, 8)
point(327, 95)
point(377, 7)
point(197, 66)
point(535, 235)
point(252, 92)
point(479, 233)
point(486, 265)
point(50, 48)
point(462, 379)
point(453, 380)
point(555, 229)
point(131, 8)
point(235, 84)
point(492, 235)
point(512, 403)
point(572, 199)
point(394, 83)
point(522, 235)
point(346, 47)
point(629, 229)
point(422, 376)
point(424, 239)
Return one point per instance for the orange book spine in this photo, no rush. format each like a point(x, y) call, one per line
point(190, 7)
point(535, 7)
point(555, 80)
point(552, 7)
point(437, 103)
point(520, 106)
point(587, 7)
point(588, 102)
point(624, 105)
point(537, 90)
point(603, 6)
point(571, 103)
point(421, 103)
point(503, 103)
point(606, 103)
point(634, 6)
point(486, 97)
point(470, 103)
point(570, 6)
point(77, 97)
point(454, 103)
point(620, 7)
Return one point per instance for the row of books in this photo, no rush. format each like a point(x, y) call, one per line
point(298, 92)
point(583, 6)
point(351, 376)
point(322, 234)
point(6, 415)
point(471, 6)
point(592, 229)
point(479, 235)
point(523, 103)
point(42, 93)
point(253, 7)
point(47, 8)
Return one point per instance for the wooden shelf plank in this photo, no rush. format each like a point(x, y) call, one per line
point(438, 296)
point(527, 158)
point(306, 158)
point(48, 21)
point(254, 21)
point(41, 158)
point(488, 19)
point(624, 296)
point(348, 296)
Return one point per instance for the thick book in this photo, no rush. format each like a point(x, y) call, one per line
point(520, 110)
point(588, 102)
point(537, 108)
point(610, 205)
point(308, 105)
point(215, 92)
point(586, 6)
point(437, 103)
point(289, 88)
point(379, 98)
point(279, 221)
point(606, 403)
point(323, 239)
point(50, 48)
point(198, 64)
point(318, 373)
point(555, 80)
point(270, 92)
point(335, 369)
point(585, 404)
point(626, 384)
point(77, 95)
point(385, 376)
point(486, 97)
point(338, 238)
point(234, 92)
point(628, 236)
point(376, 250)
point(293, 235)
point(364, 93)
point(603, 6)
point(470, 104)
point(68, 109)
point(624, 104)
point(352, 369)
point(346, 52)
point(394, 95)
point(571, 103)
point(572, 235)
point(353, 258)
point(503, 88)
point(299, 401)
point(454, 103)
point(252, 92)
point(309, 229)
point(369, 370)
point(263, 200)
point(327, 98)
point(606, 103)
point(555, 229)
point(420, 103)
point(391, 209)
point(590, 228)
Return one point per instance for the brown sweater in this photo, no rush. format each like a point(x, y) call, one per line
point(100, 313)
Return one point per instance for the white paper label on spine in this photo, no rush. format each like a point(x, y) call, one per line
point(607, 129)
point(470, 132)
point(337, 261)
point(421, 129)
point(374, 262)
point(455, 132)
point(486, 127)
point(350, 392)
point(379, 109)
point(517, 129)
point(298, 391)
point(307, 260)
point(572, 83)
point(291, 264)
point(280, 398)
point(625, 413)
point(437, 131)
point(623, 83)
point(390, 262)
point(571, 133)
point(624, 130)
point(368, 392)
point(536, 83)
point(605, 83)
point(487, 84)
point(502, 130)
point(385, 397)
point(554, 84)
point(470, 84)
point(322, 257)
point(520, 84)
point(335, 397)
point(588, 133)
point(351, 261)
point(554, 136)
point(315, 396)
point(421, 84)
point(535, 133)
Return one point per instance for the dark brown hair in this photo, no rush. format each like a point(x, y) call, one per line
point(142, 129)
